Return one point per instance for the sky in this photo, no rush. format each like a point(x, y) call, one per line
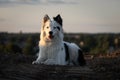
point(79, 16)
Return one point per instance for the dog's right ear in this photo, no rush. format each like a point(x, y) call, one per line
point(46, 17)
point(44, 20)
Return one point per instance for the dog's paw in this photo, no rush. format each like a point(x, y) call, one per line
point(35, 62)
point(50, 62)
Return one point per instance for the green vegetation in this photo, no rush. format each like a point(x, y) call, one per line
point(19, 43)
point(95, 43)
point(27, 43)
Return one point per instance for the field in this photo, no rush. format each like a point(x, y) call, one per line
point(19, 67)
point(17, 52)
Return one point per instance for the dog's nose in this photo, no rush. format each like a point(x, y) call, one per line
point(50, 32)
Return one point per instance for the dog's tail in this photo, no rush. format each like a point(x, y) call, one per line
point(81, 59)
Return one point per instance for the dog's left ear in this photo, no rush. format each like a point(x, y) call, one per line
point(58, 19)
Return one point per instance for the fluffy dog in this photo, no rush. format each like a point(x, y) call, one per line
point(52, 49)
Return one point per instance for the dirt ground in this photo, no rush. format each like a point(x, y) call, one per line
point(19, 67)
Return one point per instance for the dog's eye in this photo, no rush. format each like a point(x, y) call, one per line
point(54, 27)
point(47, 27)
point(58, 28)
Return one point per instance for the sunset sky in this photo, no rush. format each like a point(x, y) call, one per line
point(83, 16)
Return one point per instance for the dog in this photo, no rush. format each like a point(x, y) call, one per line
point(52, 49)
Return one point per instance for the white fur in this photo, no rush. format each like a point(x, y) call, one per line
point(73, 52)
point(52, 51)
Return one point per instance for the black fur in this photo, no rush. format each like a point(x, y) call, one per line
point(67, 52)
point(58, 19)
point(81, 59)
point(58, 28)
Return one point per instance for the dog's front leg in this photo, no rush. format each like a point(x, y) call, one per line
point(41, 57)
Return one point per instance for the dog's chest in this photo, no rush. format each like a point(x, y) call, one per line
point(52, 51)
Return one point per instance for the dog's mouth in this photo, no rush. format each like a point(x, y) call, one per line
point(51, 36)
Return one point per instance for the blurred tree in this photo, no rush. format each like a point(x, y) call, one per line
point(29, 46)
point(1, 48)
point(11, 47)
point(8, 47)
point(90, 43)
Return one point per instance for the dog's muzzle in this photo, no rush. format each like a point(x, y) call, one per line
point(51, 35)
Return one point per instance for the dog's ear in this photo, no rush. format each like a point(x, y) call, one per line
point(46, 17)
point(58, 19)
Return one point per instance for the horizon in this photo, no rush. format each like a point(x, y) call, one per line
point(83, 16)
point(20, 32)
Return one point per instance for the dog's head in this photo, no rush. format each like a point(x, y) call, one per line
point(51, 29)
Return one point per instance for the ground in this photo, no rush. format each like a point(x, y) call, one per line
point(19, 67)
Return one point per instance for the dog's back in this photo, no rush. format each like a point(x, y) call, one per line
point(75, 55)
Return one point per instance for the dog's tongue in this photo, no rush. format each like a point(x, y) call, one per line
point(50, 36)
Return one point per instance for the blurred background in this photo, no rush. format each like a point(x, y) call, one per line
point(94, 25)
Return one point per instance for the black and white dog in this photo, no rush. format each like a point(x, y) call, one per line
point(53, 50)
